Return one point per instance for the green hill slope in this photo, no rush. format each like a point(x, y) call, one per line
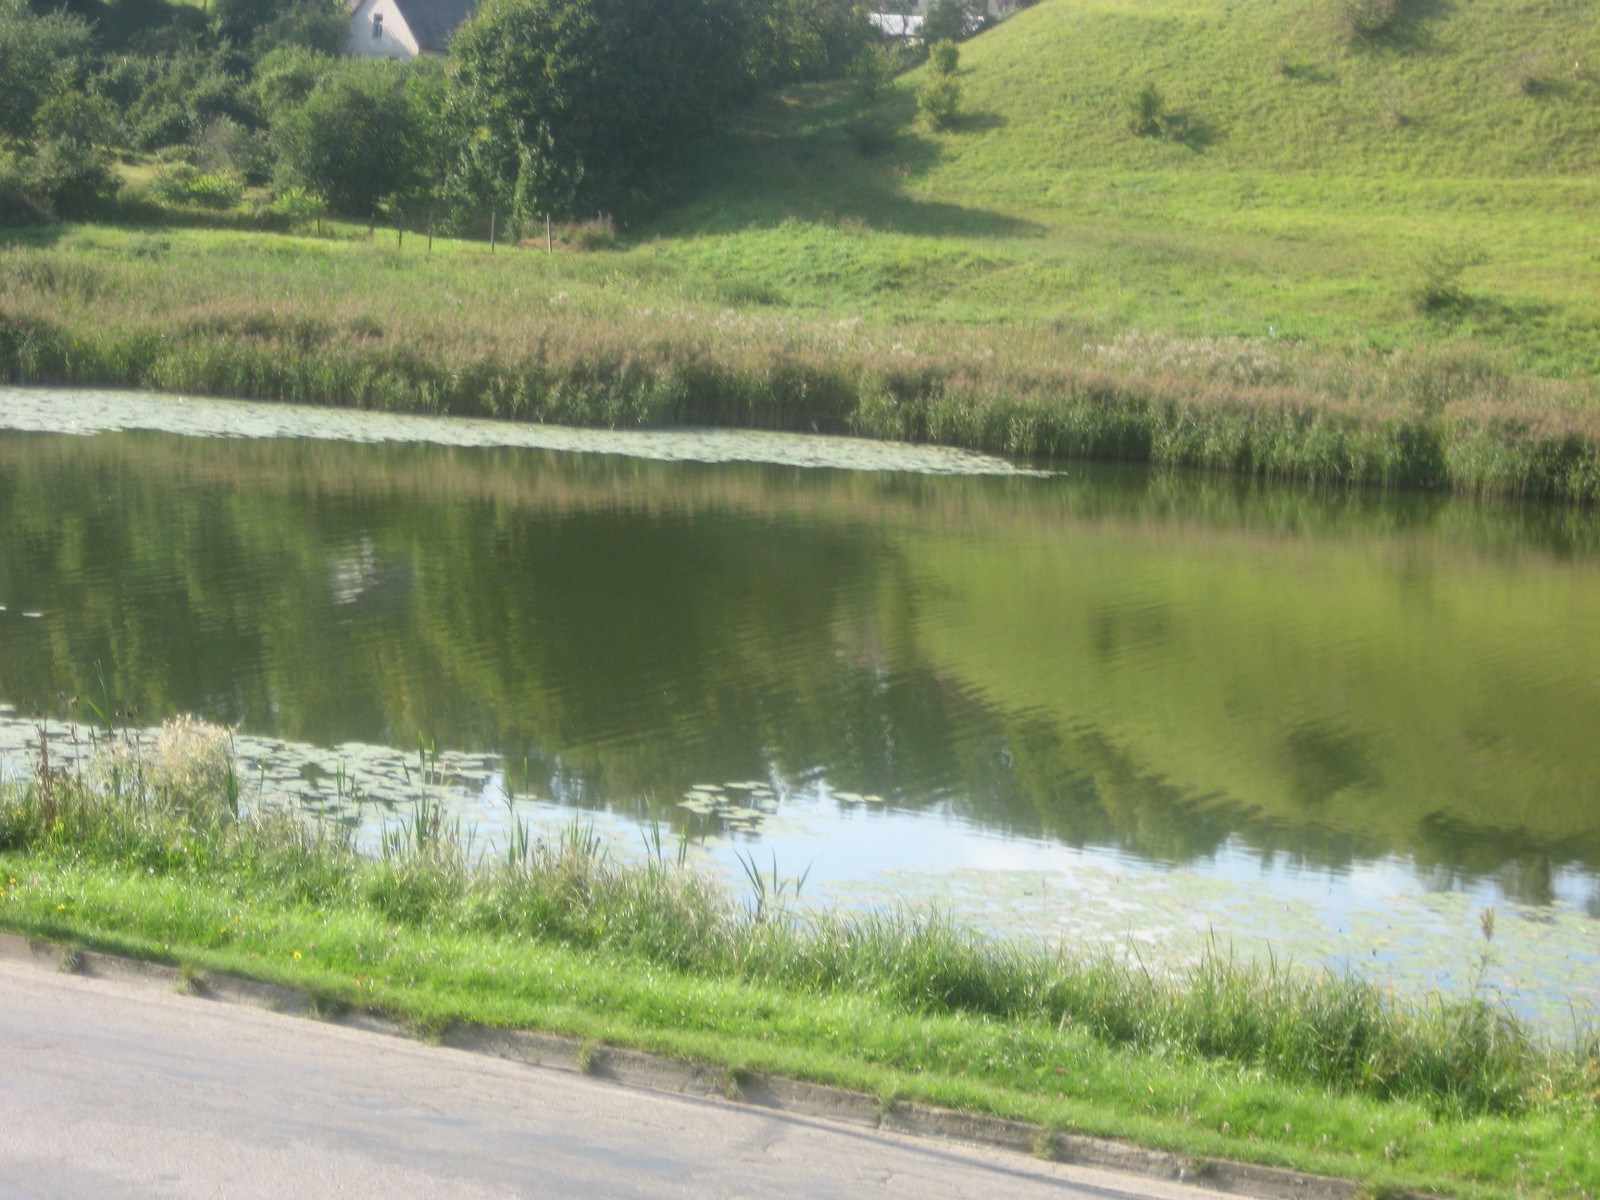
point(1435, 182)
point(1457, 88)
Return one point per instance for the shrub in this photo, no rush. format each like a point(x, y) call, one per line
point(939, 100)
point(943, 58)
point(294, 207)
point(1147, 111)
point(189, 185)
point(597, 234)
point(875, 68)
point(1437, 287)
point(20, 204)
point(73, 179)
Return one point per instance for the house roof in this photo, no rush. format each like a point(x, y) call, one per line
point(433, 21)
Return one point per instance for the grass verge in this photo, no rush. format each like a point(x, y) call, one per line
point(143, 855)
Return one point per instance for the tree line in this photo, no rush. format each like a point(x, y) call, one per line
point(558, 107)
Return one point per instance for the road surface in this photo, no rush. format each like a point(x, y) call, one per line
point(118, 1088)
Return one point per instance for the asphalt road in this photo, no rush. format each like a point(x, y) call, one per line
point(117, 1088)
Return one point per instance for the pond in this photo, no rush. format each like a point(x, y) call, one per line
point(1118, 707)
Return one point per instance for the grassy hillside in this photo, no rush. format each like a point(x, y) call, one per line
point(1361, 259)
point(1431, 183)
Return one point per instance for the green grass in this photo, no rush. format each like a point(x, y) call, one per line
point(1262, 1063)
point(1367, 260)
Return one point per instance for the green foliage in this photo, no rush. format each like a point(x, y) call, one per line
point(313, 24)
point(796, 41)
point(170, 99)
point(939, 100)
point(580, 106)
point(19, 203)
point(875, 68)
point(75, 180)
point(296, 207)
point(953, 20)
point(944, 57)
point(227, 146)
point(353, 139)
point(184, 184)
point(286, 76)
point(1146, 111)
point(40, 56)
point(74, 116)
point(1438, 271)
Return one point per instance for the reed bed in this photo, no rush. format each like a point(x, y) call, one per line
point(353, 325)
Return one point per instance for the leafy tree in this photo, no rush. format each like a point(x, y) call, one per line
point(315, 24)
point(285, 76)
point(267, 24)
point(76, 179)
point(943, 58)
point(953, 20)
point(167, 100)
point(39, 58)
point(353, 139)
point(875, 69)
point(577, 106)
point(74, 116)
point(792, 41)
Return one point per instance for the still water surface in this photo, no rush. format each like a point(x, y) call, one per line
point(1103, 704)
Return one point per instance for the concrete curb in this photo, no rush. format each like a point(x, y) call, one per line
point(654, 1072)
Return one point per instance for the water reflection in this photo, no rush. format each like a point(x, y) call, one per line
point(1176, 671)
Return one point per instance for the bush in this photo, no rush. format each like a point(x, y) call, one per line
point(939, 100)
point(294, 208)
point(189, 185)
point(1147, 111)
point(597, 234)
point(226, 146)
point(875, 68)
point(943, 58)
point(75, 180)
point(1437, 287)
point(20, 204)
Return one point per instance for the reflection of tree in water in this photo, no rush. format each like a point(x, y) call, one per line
point(619, 650)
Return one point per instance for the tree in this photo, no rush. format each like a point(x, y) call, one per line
point(353, 139)
point(578, 106)
point(953, 20)
point(39, 58)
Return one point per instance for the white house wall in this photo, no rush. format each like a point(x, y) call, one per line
point(395, 39)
